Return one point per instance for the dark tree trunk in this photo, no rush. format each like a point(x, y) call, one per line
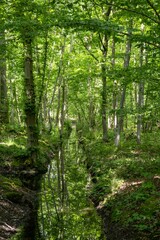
point(30, 105)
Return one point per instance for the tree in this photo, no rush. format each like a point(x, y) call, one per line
point(3, 81)
point(30, 106)
point(27, 32)
point(79, 63)
point(123, 94)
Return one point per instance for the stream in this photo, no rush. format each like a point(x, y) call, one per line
point(66, 211)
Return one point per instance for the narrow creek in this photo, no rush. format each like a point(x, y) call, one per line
point(66, 210)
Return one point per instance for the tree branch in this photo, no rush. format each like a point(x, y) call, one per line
point(134, 11)
point(154, 9)
point(88, 50)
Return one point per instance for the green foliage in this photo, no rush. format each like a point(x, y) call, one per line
point(137, 208)
point(127, 183)
point(69, 39)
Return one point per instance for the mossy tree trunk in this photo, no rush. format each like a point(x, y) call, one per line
point(30, 105)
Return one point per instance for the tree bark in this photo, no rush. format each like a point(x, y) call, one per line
point(115, 88)
point(3, 84)
point(123, 94)
point(30, 105)
point(104, 92)
point(140, 99)
point(104, 42)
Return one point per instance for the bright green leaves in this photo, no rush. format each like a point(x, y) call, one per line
point(25, 18)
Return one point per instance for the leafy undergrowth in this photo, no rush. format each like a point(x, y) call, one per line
point(126, 189)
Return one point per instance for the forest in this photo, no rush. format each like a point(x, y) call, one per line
point(80, 119)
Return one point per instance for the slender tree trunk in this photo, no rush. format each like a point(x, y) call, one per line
point(104, 92)
point(15, 111)
point(61, 124)
point(60, 120)
point(91, 109)
point(41, 112)
point(30, 105)
point(104, 42)
point(3, 84)
point(115, 89)
point(59, 80)
point(63, 187)
point(61, 150)
point(140, 99)
point(123, 94)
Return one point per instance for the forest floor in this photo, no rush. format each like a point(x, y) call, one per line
point(126, 189)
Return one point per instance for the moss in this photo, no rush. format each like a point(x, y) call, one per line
point(11, 157)
point(15, 197)
point(11, 189)
point(10, 181)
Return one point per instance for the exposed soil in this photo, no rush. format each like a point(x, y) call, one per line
point(16, 203)
point(17, 200)
point(12, 216)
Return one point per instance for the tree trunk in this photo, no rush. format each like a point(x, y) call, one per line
point(140, 99)
point(104, 95)
point(123, 94)
point(115, 89)
point(61, 149)
point(61, 156)
point(104, 42)
point(30, 106)
point(3, 84)
point(91, 104)
point(15, 113)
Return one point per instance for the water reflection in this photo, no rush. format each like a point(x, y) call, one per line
point(65, 210)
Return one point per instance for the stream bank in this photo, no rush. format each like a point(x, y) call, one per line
point(19, 192)
point(126, 189)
